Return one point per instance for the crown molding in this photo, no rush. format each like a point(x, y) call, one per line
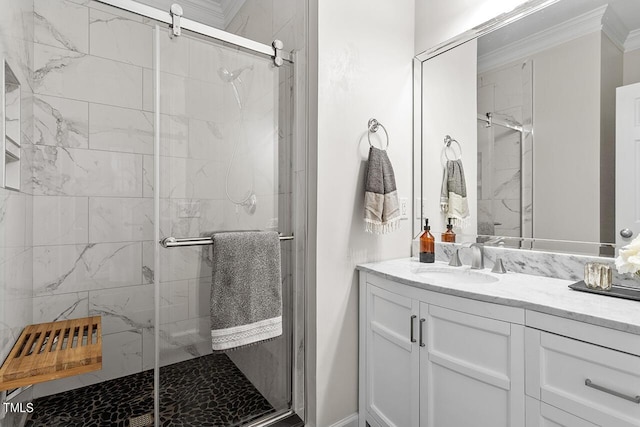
point(613, 27)
point(230, 9)
point(206, 11)
point(600, 19)
point(633, 41)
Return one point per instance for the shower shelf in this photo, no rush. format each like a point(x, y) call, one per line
point(49, 351)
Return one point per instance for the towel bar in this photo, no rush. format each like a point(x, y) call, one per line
point(172, 242)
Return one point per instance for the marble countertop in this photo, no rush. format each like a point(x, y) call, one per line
point(541, 294)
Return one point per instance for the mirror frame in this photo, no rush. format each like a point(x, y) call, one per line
point(487, 27)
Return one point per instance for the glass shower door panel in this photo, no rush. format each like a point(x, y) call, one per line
point(224, 163)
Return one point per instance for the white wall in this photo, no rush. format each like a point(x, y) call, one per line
point(365, 50)
point(438, 21)
point(572, 144)
point(631, 67)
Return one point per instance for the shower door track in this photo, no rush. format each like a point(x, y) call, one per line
point(199, 28)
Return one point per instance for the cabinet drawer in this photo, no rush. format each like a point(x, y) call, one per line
point(544, 415)
point(566, 365)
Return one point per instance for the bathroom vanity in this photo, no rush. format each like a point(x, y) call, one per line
point(452, 347)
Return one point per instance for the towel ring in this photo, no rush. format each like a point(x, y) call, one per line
point(447, 146)
point(373, 128)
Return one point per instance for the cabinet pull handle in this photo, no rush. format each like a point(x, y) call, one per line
point(413, 339)
point(421, 339)
point(589, 383)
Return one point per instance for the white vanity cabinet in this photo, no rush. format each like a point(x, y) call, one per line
point(434, 360)
point(593, 383)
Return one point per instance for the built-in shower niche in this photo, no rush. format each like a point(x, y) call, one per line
point(11, 129)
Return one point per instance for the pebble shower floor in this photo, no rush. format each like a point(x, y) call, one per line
point(206, 391)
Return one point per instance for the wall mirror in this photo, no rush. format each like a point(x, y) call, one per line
point(543, 103)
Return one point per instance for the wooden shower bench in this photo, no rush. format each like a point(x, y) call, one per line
point(49, 351)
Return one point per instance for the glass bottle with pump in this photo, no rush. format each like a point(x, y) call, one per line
point(449, 236)
point(427, 244)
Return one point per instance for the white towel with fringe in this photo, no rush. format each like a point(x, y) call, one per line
point(381, 207)
point(453, 196)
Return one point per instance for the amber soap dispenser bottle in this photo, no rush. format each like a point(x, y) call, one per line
point(449, 235)
point(427, 244)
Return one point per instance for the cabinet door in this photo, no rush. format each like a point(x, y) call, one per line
point(391, 359)
point(539, 414)
point(472, 371)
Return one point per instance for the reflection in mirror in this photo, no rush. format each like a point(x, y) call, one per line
point(533, 105)
point(11, 126)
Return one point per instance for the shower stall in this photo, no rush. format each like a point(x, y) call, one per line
point(505, 152)
point(144, 131)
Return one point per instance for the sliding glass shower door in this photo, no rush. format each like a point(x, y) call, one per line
point(222, 162)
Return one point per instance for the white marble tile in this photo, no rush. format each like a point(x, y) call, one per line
point(205, 60)
point(207, 140)
point(16, 20)
point(123, 309)
point(63, 24)
point(204, 100)
point(121, 39)
point(506, 215)
point(506, 184)
point(191, 178)
point(147, 175)
point(16, 314)
point(97, 5)
point(199, 297)
point(52, 308)
point(174, 54)
point(121, 356)
point(61, 122)
point(187, 263)
point(174, 301)
point(184, 340)
point(115, 219)
point(60, 220)
point(191, 217)
point(174, 136)
point(148, 89)
point(14, 219)
point(173, 94)
point(61, 72)
point(61, 171)
point(76, 268)
point(16, 273)
point(120, 129)
point(507, 150)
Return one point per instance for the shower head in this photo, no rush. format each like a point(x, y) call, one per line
point(229, 76)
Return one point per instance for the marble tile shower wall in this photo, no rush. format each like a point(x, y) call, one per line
point(502, 91)
point(16, 207)
point(93, 180)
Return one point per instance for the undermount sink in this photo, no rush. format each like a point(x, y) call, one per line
point(455, 275)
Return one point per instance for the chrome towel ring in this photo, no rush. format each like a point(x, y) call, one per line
point(373, 128)
point(447, 147)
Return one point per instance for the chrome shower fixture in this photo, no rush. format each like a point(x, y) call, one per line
point(229, 76)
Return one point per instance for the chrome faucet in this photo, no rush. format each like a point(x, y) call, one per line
point(477, 260)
